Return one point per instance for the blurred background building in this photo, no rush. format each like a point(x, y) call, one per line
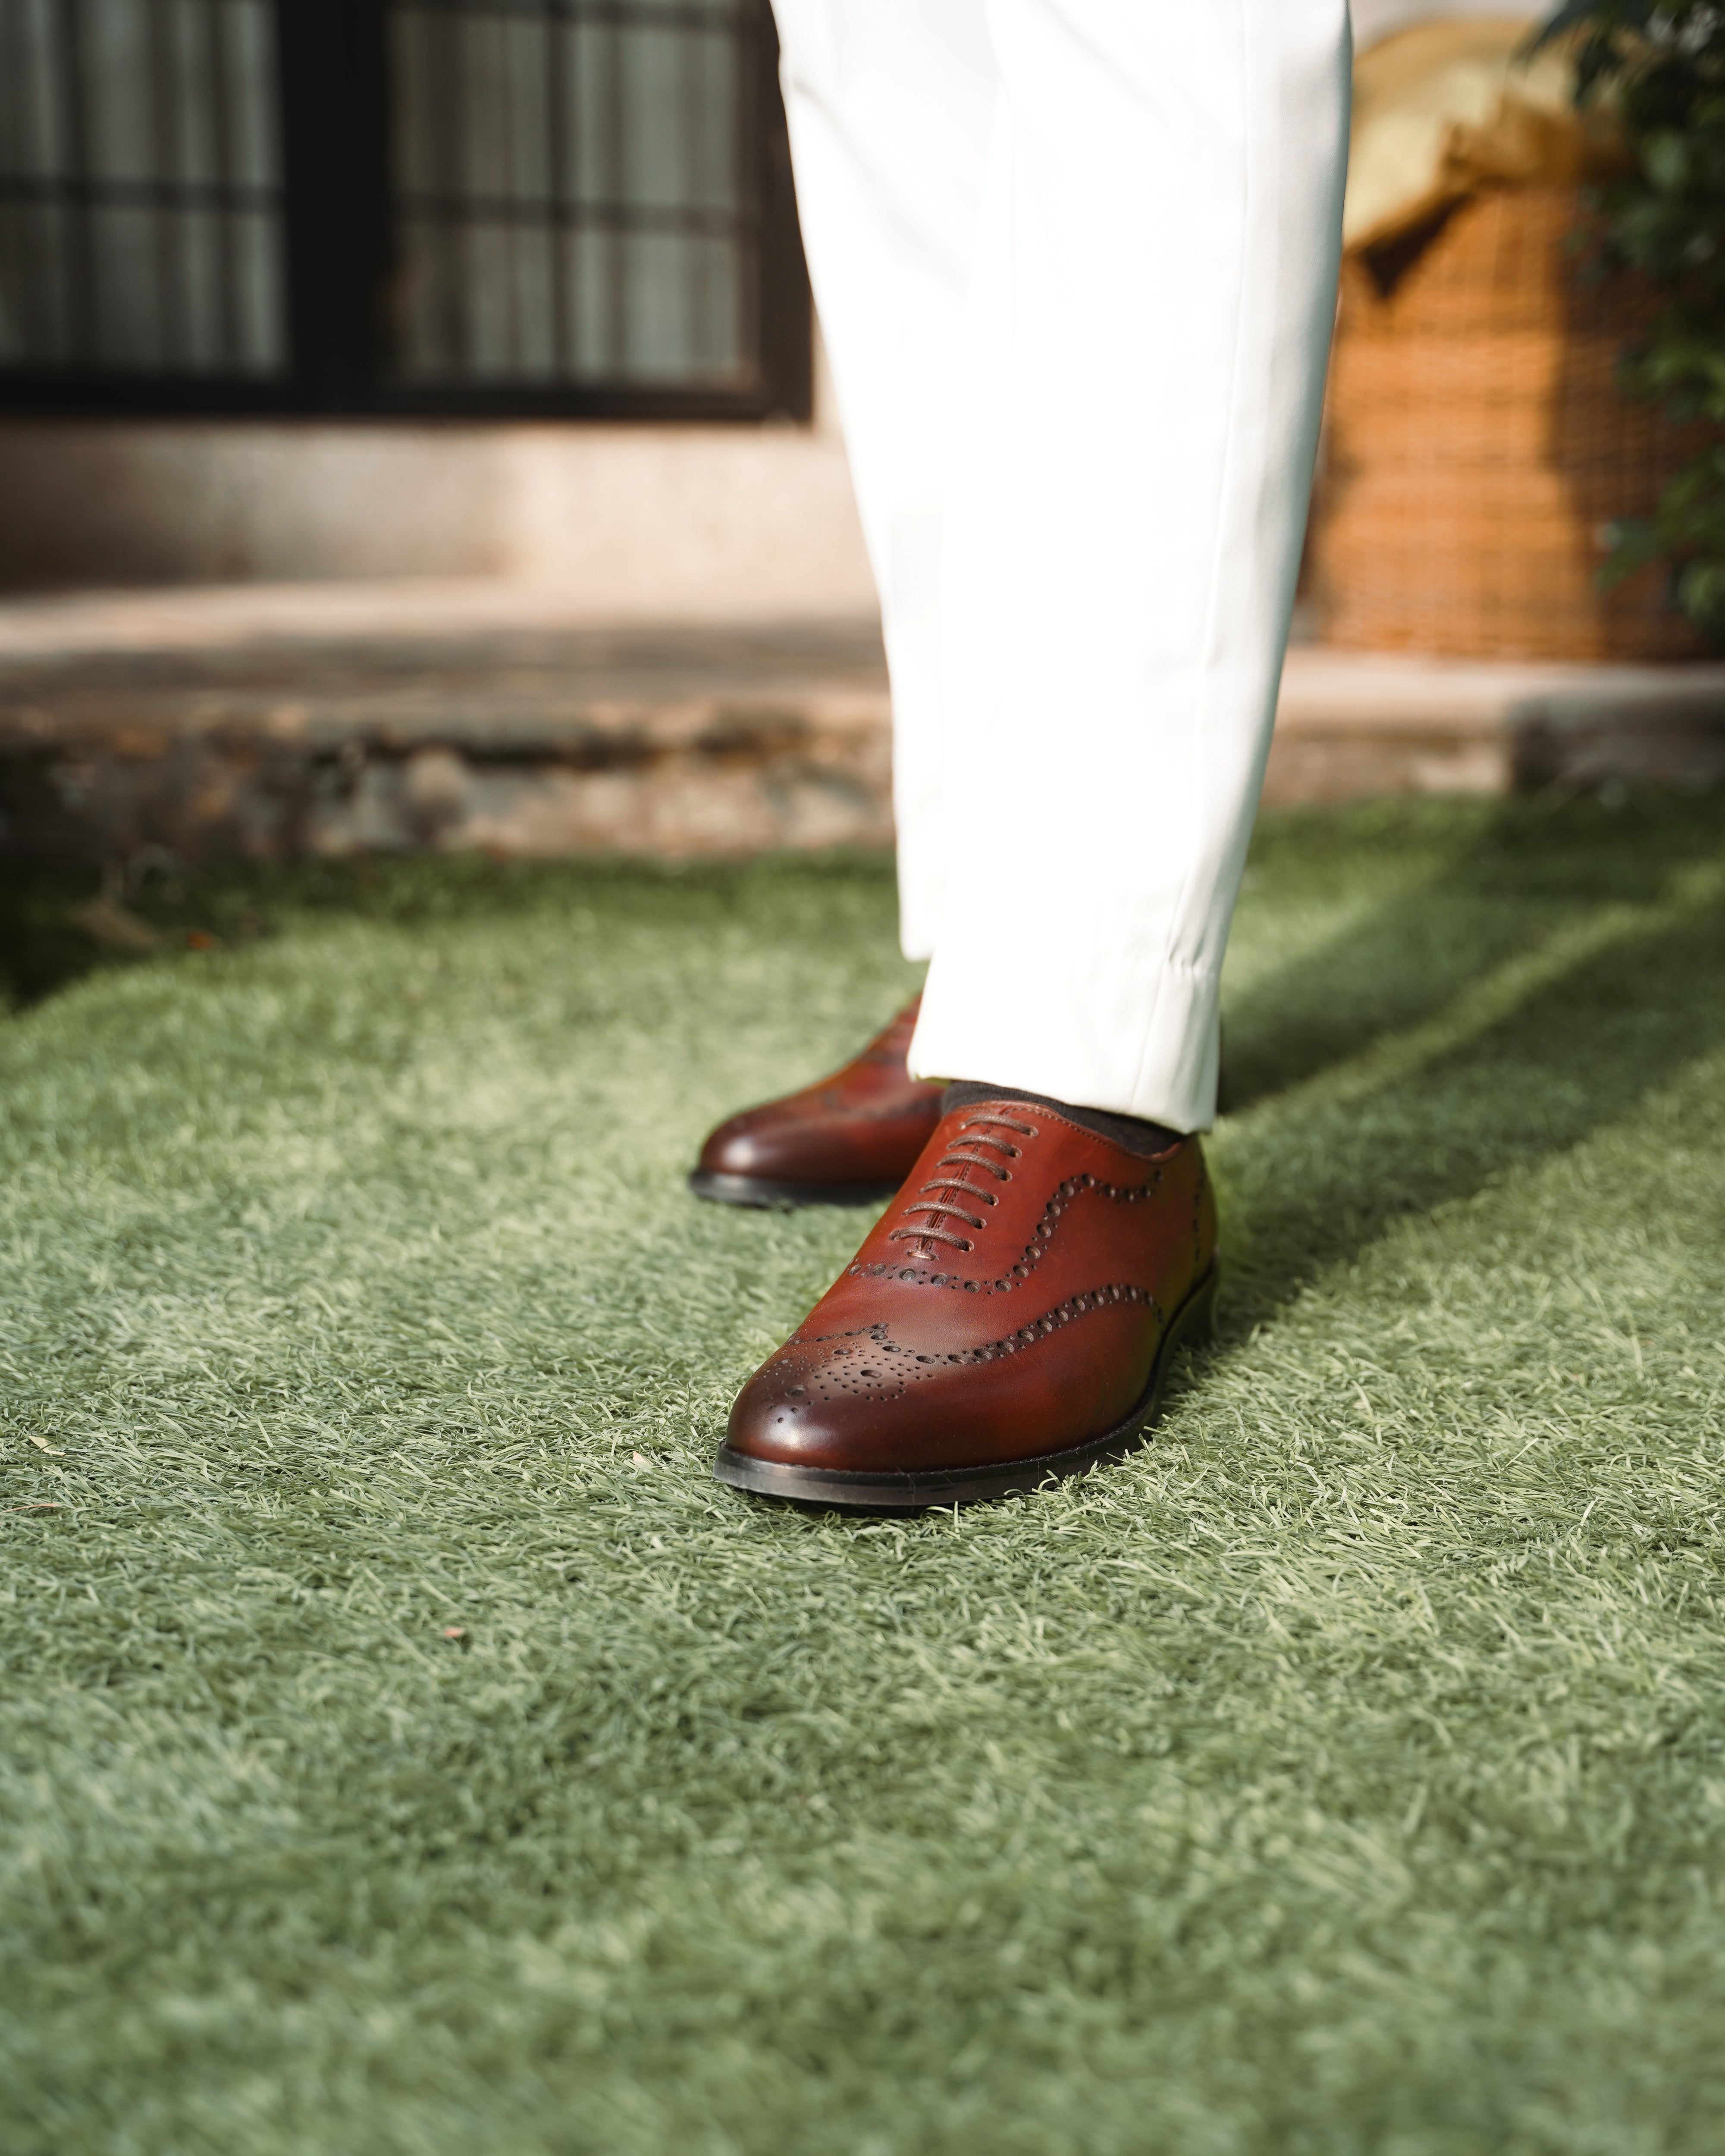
point(316, 290)
point(413, 430)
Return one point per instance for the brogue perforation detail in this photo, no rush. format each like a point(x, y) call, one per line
point(1198, 1190)
point(907, 1366)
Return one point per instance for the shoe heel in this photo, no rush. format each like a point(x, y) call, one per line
point(1194, 1324)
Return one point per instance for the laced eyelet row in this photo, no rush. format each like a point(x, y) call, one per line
point(963, 1152)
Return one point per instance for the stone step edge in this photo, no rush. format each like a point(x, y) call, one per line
point(730, 775)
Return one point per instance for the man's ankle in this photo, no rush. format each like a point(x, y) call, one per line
point(1132, 1133)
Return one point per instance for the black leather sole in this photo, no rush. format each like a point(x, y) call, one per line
point(761, 1191)
point(1191, 1325)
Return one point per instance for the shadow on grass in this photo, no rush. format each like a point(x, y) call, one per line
point(58, 925)
point(47, 945)
point(42, 949)
point(1498, 885)
point(1319, 1179)
point(52, 932)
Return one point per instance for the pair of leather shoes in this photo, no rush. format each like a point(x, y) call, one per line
point(1011, 1319)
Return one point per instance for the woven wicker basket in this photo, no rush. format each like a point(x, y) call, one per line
point(1475, 442)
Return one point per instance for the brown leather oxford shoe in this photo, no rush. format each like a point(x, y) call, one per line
point(1013, 1320)
point(849, 1140)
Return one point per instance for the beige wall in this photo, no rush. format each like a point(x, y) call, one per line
point(653, 519)
point(646, 518)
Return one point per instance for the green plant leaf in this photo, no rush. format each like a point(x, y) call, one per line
point(1662, 67)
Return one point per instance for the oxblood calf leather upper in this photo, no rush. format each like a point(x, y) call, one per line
point(1010, 1303)
point(865, 1124)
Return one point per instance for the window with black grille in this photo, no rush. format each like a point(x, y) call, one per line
point(141, 198)
point(413, 205)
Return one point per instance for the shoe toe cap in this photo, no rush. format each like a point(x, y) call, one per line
point(737, 1147)
point(812, 1404)
point(865, 1404)
point(780, 1139)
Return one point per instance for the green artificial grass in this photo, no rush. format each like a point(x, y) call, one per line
point(1344, 1773)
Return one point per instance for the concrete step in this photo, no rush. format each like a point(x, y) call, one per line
point(269, 722)
point(1356, 723)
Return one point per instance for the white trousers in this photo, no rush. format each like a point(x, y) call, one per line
point(1075, 265)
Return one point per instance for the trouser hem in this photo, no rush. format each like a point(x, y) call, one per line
point(1143, 1045)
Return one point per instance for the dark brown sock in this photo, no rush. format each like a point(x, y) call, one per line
point(1133, 1133)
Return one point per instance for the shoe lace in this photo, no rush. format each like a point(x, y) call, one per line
point(963, 1154)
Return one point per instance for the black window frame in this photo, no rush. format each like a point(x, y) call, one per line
point(333, 59)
